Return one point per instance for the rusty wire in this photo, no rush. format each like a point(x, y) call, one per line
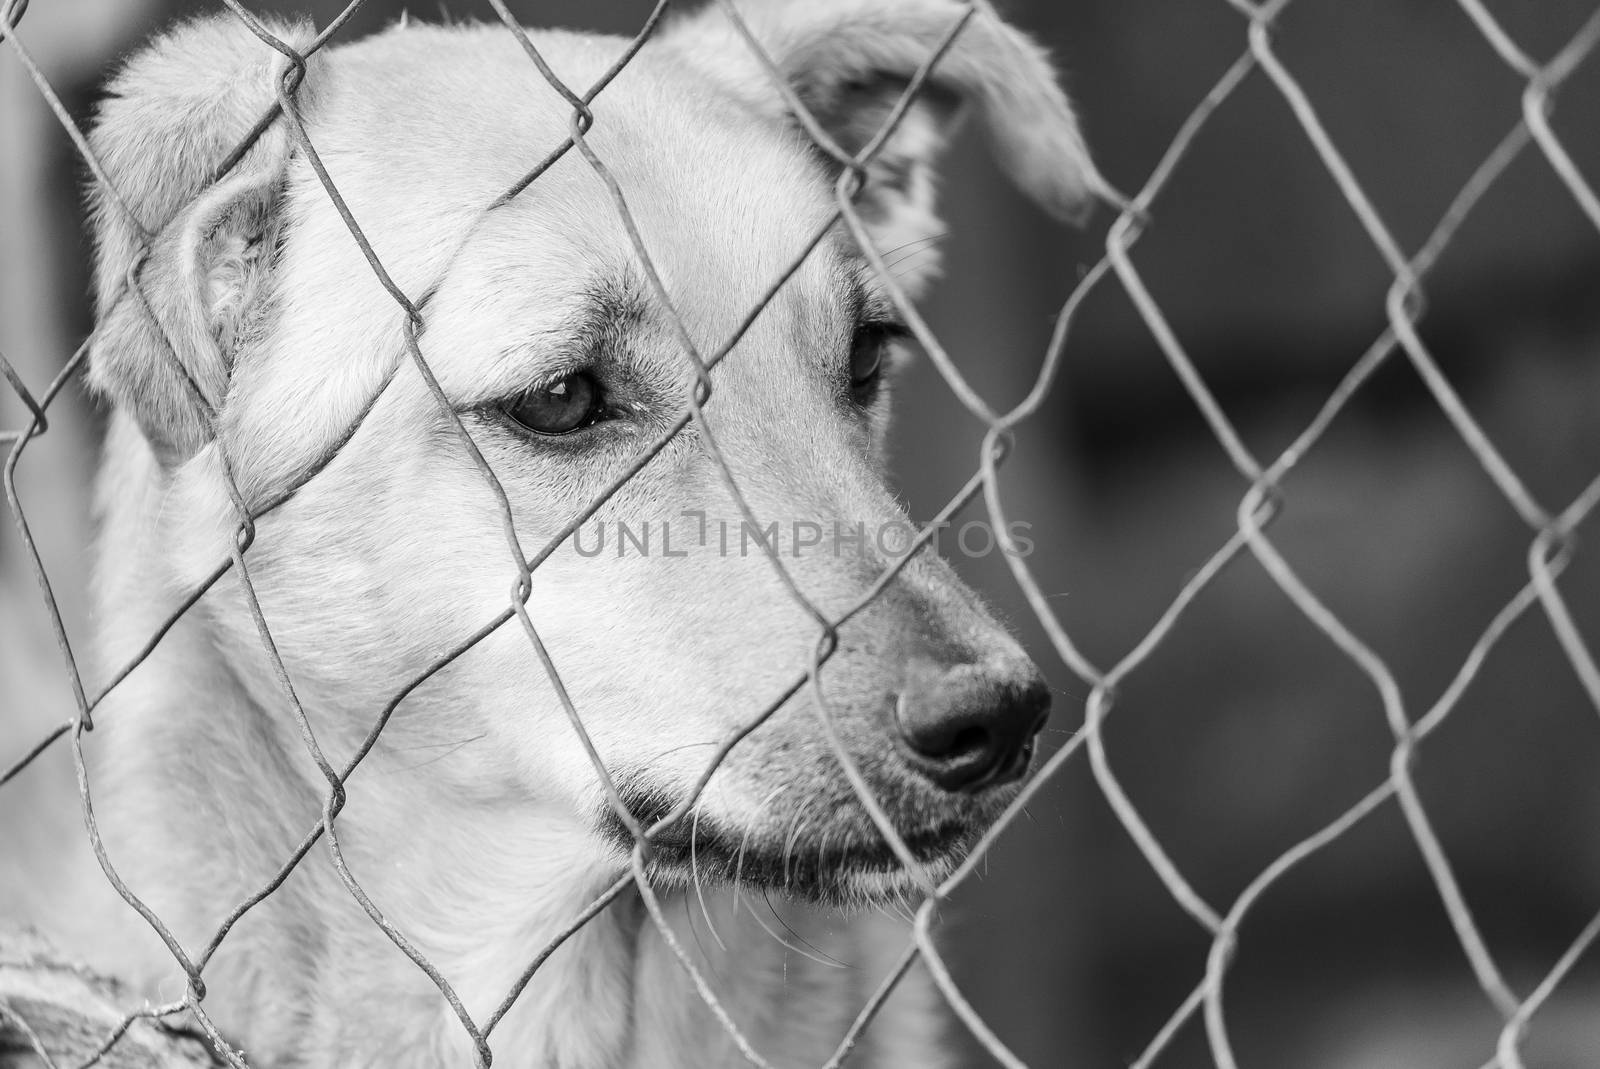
point(1264, 497)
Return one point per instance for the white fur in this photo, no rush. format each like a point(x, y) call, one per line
point(472, 824)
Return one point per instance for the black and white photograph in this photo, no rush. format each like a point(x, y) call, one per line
point(800, 534)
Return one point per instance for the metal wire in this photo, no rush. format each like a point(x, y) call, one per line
point(1265, 496)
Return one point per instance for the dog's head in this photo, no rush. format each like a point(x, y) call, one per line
point(256, 336)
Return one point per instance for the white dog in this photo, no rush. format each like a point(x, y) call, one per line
point(258, 336)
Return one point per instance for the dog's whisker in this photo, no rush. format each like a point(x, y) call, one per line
point(796, 830)
point(767, 896)
point(694, 932)
point(909, 249)
point(685, 746)
point(738, 870)
point(786, 944)
point(900, 904)
point(453, 749)
point(907, 253)
point(744, 840)
point(924, 240)
point(822, 850)
point(694, 874)
point(891, 906)
point(434, 745)
point(903, 265)
point(789, 841)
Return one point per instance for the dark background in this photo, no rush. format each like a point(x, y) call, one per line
point(1247, 729)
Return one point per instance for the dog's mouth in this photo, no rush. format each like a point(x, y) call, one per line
point(843, 860)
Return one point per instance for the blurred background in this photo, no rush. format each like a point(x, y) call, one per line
point(1247, 730)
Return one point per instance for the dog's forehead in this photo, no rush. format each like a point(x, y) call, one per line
point(450, 119)
point(721, 201)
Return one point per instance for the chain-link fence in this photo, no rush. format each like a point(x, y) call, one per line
point(1269, 491)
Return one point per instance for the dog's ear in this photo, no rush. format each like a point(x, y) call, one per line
point(849, 61)
point(201, 249)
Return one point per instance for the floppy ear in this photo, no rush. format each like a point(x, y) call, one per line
point(171, 117)
point(848, 61)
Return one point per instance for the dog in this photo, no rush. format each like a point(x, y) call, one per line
point(251, 357)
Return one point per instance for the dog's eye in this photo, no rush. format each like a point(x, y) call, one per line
point(867, 352)
point(569, 404)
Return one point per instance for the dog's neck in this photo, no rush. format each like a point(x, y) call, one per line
point(480, 895)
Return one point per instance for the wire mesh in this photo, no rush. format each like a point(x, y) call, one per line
point(1267, 493)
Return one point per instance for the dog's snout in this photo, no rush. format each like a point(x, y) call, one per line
point(967, 727)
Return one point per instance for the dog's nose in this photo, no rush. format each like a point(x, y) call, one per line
point(966, 727)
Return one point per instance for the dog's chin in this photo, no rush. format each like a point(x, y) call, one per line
point(854, 869)
point(845, 863)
